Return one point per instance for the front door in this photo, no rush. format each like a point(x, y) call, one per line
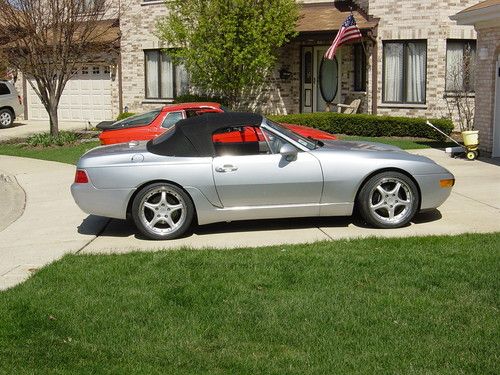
point(261, 178)
point(320, 80)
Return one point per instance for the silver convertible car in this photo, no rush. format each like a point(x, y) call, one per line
point(240, 166)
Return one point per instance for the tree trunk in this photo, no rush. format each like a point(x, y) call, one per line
point(54, 119)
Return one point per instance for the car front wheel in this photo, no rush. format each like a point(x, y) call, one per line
point(162, 211)
point(6, 118)
point(388, 200)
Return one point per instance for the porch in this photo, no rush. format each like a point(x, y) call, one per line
point(305, 82)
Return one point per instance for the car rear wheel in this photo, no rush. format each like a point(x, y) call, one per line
point(162, 211)
point(6, 118)
point(388, 200)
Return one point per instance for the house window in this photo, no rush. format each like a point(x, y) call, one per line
point(359, 67)
point(460, 65)
point(405, 65)
point(85, 70)
point(164, 80)
point(96, 70)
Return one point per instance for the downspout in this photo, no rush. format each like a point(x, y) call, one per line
point(120, 85)
point(372, 36)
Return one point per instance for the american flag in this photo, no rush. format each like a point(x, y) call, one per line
point(349, 31)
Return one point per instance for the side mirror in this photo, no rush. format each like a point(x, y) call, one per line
point(288, 152)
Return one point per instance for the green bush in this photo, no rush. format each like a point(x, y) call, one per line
point(124, 115)
point(369, 125)
point(46, 140)
point(190, 98)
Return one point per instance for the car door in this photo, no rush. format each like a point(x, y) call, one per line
point(259, 176)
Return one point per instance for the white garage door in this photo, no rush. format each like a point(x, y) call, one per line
point(86, 97)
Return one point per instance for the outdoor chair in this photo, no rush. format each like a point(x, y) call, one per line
point(349, 108)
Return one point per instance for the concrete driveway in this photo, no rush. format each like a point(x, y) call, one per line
point(22, 128)
point(52, 224)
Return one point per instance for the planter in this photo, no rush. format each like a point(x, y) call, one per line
point(471, 137)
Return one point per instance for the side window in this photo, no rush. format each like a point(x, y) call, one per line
point(171, 119)
point(4, 90)
point(275, 143)
point(141, 119)
point(245, 140)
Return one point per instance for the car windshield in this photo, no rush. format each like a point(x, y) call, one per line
point(310, 144)
point(141, 119)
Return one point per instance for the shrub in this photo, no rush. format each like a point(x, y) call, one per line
point(369, 125)
point(191, 98)
point(124, 115)
point(46, 140)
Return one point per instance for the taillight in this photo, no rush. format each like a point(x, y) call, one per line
point(20, 99)
point(81, 177)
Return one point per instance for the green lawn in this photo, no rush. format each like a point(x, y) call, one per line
point(64, 154)
point(378, 306)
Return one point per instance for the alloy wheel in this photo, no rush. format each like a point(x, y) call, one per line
point(5, 119)
point(391, 201)
point(162, 210)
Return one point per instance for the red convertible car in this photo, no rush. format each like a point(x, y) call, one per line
point(149, 125)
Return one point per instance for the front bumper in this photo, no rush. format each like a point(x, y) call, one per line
point(432, 194)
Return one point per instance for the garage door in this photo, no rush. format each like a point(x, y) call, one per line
point(86, 97)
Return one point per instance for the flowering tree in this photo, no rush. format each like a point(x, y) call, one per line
point(228, 47)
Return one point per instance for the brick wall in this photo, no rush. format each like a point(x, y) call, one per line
point(399, 20)
point(420, 19)
point(137, 25)
point(488, 48)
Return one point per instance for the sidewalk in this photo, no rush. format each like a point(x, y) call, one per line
point(22, 128)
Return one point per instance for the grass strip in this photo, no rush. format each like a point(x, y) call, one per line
point(65, 154)
point(423, 305)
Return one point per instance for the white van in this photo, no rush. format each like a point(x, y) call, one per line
point(11, 104)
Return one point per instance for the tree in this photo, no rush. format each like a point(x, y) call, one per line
point(460, 85)
point(228, 46)
point(47, 39)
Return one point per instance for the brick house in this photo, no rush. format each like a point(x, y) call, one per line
point(399, 69)
point(485, 17)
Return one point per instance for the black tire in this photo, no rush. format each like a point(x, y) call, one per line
point(156, 215)
point(6, 118)
point(378, 197)
point(471, 155)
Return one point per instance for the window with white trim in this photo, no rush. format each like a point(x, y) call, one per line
point(460, 65)
point(404, 72)
point(163, 79)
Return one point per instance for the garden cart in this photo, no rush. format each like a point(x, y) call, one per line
point(470, 147)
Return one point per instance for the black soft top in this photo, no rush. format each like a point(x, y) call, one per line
point(193, 136)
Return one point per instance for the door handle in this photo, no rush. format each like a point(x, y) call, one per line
point(226, 168)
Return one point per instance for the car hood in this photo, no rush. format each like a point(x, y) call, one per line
point(358, 146)
point(307, 131)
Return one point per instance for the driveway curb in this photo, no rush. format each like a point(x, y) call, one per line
point(51, 225)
